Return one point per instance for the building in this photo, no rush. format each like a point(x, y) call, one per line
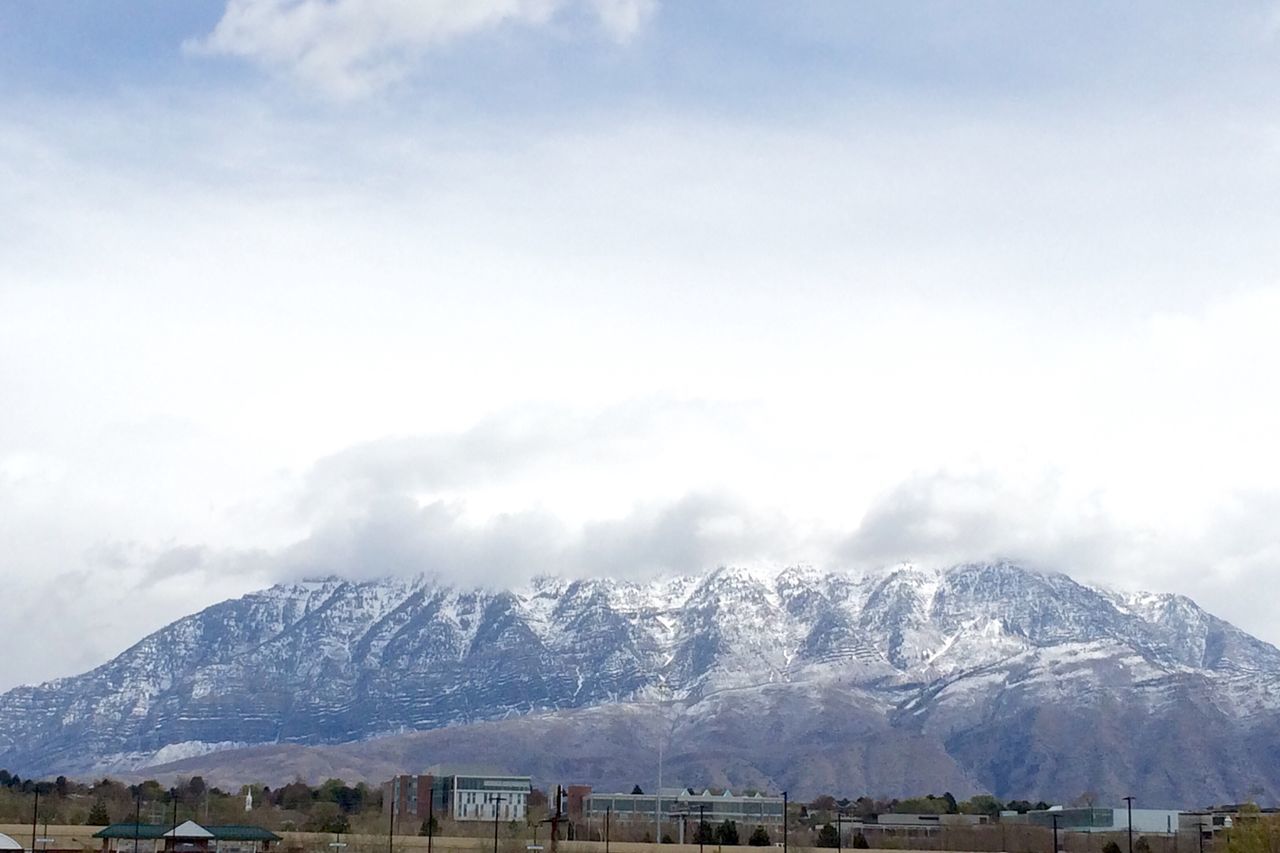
point(1146, 821)
point(7, 843)
point(458, 797)
point(189, 837)
point(926, 821)
point(676, 807)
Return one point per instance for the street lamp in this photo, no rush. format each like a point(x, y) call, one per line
point(784, 821)
point(497, 800)
point(1055, 834)
point(1129, 801)
point(137, 818)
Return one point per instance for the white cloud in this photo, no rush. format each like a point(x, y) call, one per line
point(350, 48)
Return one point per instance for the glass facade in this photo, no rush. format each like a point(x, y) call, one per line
point(749, 809)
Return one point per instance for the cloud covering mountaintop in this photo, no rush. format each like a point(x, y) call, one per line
point(630, 288)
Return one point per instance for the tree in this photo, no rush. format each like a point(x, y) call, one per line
point(430, 826)
point(1142, 845)
point(1111, 847)
point(326, 817)
point(824, 803)
point(98, 815)
point(637, 790)
point(952, 806)
point(759, 837)
point(860, 842)
point(981, 804)
point(828, 837)
point(703, 834)
point(726, 834)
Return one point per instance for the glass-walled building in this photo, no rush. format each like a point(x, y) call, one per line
point(680, 804)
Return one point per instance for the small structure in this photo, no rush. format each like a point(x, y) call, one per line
point(7, 843)
point(189, 837)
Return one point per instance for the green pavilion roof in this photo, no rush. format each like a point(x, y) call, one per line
point(229, 832)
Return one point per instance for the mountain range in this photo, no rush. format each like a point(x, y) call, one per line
point(976, 678)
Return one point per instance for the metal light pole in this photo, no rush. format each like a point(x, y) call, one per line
point(702, 822)
point(1055, 834)
point(839, 827)
point(1129, 801)
point(608, 813)
point(137, 819)
point(784, 822)
point(431, 815)
point(35, 811)
point(498, 799)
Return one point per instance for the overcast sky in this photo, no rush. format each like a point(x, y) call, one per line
point(496, 287)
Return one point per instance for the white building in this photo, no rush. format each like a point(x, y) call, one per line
point(505, 798)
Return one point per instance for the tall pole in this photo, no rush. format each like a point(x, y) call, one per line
point(431, 816)
point(35, 810)
point(391, 824)
point(608, 813)
point(496, 801)
point(137, 819)
point(784, 822)
point(1129, 801)
point(702, 823)
point(1055, 834)
point(657, 799)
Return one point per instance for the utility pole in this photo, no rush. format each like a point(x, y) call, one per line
point(1201, 834)
point(608, 813)
point(702, 825)
point(35, 811)
point(1055, 834)
point(1129, 801)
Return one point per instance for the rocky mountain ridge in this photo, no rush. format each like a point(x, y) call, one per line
point(1026, 682)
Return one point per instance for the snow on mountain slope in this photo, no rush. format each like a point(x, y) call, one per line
point(957, 655)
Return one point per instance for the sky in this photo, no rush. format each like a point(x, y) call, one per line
point(496, 288)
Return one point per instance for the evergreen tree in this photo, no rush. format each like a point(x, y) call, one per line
point(759, 837)
point(1111, 847)
point(1142, 845)
point(828, 837)
point(430, 826)
point(703, 834)
point(727, 834)
point(98, 815)
point(860, 842)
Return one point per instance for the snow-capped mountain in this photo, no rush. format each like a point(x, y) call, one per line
point(996, 677)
